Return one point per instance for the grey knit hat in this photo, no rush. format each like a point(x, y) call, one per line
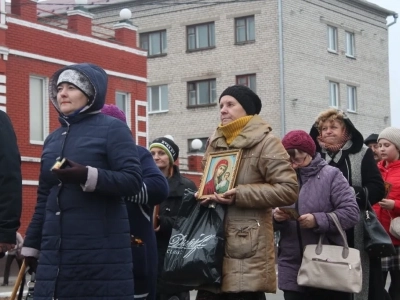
point(392, 134)
point(79, 80)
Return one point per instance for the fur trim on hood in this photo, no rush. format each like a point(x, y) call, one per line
point(356, 136)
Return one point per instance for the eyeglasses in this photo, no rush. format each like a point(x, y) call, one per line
point(298, 161)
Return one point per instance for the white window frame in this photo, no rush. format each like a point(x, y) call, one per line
point(147, 45)
point(127, 109)
point(195, 36)
point(351, 98)
point(247, 28)
point(333, 94)
point(350, 44)
point(212, 87)
point(332, 39)
point(160, 100)
point(34, 100)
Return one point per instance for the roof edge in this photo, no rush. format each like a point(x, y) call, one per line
point(376, 7)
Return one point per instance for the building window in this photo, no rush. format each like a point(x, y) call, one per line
point(351, 98)
point(203, 146)
point(154, 42)
point(37, 109)
point(247, 80)
point(332, 39)
point(201, 36)
point(350, 45)
point(157, 96)
point(202, 92)
point(245, 29)
point(333, 94)
point(122, 101)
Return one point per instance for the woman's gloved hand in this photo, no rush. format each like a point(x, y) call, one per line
point(31, 264)
point(72, 173)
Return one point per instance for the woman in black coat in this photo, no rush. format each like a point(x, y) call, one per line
point(165, 152)
point(342, 146)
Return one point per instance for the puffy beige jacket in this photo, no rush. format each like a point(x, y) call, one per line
point(265, 180)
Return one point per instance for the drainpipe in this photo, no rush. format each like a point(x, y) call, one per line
point(281, 70)
point(395, 16)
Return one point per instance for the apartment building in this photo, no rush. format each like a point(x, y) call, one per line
point(299, 56)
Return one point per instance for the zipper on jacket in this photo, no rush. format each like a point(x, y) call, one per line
point(332, 262)
point(58, 213)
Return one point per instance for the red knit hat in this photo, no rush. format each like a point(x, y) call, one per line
point(300, 140)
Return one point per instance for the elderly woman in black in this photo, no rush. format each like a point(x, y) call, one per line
point(265, 179)
point(342, 146)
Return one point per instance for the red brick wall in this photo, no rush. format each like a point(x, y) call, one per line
point(18, 69)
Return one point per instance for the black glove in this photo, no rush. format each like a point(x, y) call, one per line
point(31, 264)
point(72, 173)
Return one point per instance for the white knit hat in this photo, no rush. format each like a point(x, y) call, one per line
point(77, 79)
point(392, 134)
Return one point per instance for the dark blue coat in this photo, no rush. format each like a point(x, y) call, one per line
point(140, 211)
point(84, 237)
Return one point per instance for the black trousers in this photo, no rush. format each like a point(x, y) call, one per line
point(316, 294)
point(7, 267)
point(205, 295)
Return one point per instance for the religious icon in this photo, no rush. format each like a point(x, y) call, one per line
point(220, 172)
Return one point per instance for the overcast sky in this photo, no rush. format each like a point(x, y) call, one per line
point(394, 59)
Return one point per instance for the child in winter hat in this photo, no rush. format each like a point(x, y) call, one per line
point(392, 134)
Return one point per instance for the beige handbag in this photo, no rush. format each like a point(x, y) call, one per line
point(331, 267)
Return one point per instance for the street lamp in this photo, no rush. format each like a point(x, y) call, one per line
point(125, 14)
point(196, 145)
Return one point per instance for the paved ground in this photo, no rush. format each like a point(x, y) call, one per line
point(277, 296)
point(6, 290)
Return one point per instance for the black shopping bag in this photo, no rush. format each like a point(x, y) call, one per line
point(196, 247)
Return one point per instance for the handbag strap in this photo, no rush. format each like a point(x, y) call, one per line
point(368, 208)
point(335, 220)
point(367, 204)
point(297, 222)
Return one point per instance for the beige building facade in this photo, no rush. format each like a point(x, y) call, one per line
point(300, 56)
